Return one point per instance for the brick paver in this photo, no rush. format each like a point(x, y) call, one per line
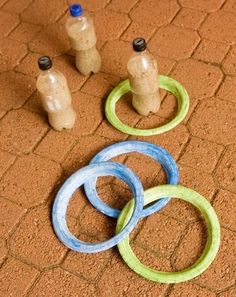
point(16, 86)
point(59, 283)
point(174, 42)
point(30, 180)
point(51, 39)
point(228, 293)
point(50, 11)
point(194, 42)
point(138, 29)
point(110, 24)
point(190, 289)
point(201, 154)
point(12, 52)
point(95, 263)
point(193, 178)
point(92, 5)
point(156, 13)
point(16, 277)
point(211, 51)
point(189, 18)
point(227, 89)
point(126, 282)
point(155, 240)
point(21, 130)
point(224, 128)
point(205, 81)
point(34, 240)
point(6, 161)
point(8, 22)
point(221, 274)
point(212, 27)
point(207, 6)
point(25, 32)
point(225, 207)
point(10, 215)
point(3, 250)
point(226, 173)
point(55, 145)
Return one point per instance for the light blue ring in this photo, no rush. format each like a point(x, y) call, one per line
point(73, 183)
point(157, 153)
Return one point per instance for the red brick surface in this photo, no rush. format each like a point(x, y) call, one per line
point(51, 40)
point(12, 52)
point(16, 86)
point(6, 160)
point(212, 27)
point(8, 22)
point(155, 13)
point(227, 89)
point(189, 18)
point(205, 81)
point(18, 6)
point(30, 180)
point(10, 215)
point(202, 5)
point(58, 282)
point(25, 32)
point(16, 277)
point(224, 128)
point(174, 42)
point(201, 154)
point(193, 42)
point(3, 250)
point(228, 64)
point(21, 130)
point(211, 51)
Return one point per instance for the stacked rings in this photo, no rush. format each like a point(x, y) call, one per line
point(133, 211)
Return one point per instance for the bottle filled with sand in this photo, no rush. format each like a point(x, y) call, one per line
point(82, 36)
point(55, 95)
point(142, 73)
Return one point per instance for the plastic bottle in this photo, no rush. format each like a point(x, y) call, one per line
point(55, 95)
point(83, 40)
point(142, 73)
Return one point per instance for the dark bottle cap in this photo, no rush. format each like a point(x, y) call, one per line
point(44, 63)
point(76, 10)
point(139, 44)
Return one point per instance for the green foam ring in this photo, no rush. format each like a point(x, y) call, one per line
point(166, 83)
point(209, 252)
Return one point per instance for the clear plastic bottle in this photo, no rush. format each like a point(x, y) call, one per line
point(55, 95)
point(82, 36)
point(142, 73)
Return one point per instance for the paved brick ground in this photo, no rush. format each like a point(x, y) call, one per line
point(194, 42)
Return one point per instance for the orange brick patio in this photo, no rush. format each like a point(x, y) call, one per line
point(194, 42)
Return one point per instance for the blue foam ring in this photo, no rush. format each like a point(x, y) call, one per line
point(73, 183)
point(157, 153)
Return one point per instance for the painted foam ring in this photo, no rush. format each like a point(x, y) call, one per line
point(157, 153)
point(166, 83)
point(208, 254)
point(73, 183)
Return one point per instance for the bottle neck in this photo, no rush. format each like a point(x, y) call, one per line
point(47, 72)
point(141, 53)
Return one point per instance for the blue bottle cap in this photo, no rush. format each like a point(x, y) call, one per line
point(76, 10)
